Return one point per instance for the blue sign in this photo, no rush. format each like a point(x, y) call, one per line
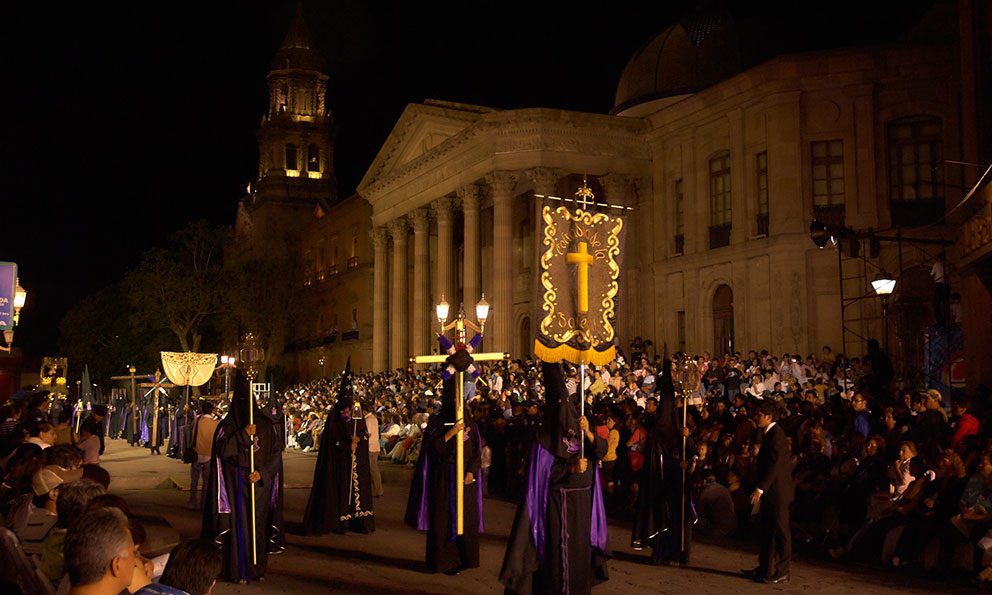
point(8, 284)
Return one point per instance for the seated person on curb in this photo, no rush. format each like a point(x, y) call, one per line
point(47, 483)
point(99, 553)
point(72, 502)
point(193, 569)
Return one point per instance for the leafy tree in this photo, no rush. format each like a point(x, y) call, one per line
point(98, 331)
point(179, 288)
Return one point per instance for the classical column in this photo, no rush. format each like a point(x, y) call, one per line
point(443, 212)
point(503, 183)
point(421, 278)
point(469, 196)
point(545, 181)
point(399, 344)
point(380, 301)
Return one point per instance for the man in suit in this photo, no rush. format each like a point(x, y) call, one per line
point(775, 492)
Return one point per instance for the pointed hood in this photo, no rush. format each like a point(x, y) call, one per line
point(560, 434)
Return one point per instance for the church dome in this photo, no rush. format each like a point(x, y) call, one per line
point(695, 53)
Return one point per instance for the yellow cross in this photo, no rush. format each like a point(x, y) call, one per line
point(459, 325)
point(583, 259)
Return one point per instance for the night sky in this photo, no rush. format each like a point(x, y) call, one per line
point(125, 121)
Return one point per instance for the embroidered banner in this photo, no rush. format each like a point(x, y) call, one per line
point(580, 267)
point(189, 368)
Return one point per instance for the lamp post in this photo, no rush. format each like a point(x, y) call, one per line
point(227, 362)
point(884, 284)
point(20, 296)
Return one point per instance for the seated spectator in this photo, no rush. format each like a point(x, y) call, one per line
point(42, 433)
point(715, 510)
point(42, 512)
point(73, 500)
point(193, 569)
point(99, 553)
point(89, 443)
point(64, 432)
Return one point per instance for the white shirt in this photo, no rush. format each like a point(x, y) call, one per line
point(38, 441)
point(372, 424)
point(937, 272)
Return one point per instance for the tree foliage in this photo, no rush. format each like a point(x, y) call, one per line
point(179, 288)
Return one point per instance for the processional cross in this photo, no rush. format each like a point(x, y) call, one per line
point(134, 401)
point(155, 388)
point(460, 359)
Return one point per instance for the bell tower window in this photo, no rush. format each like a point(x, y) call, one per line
point(292, 167)
point(313, 161)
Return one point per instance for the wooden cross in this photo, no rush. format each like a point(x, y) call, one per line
point(156, 387)
point(584, 260)
point(134, 400)
point(460, 324)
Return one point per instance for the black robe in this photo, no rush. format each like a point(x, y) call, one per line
point(568, 504)
point(341, 497)
point(226, 515)
point(432, 494)
point(659, 500)
point(163, 421)
point(274, 412)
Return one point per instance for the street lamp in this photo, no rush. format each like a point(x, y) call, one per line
point(884, 284)
point(227, 362)
point(482, 312)
point(441, 310)
point(20, 296)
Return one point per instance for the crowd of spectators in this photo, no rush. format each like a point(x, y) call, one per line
point(62, 532)
point(884, 472)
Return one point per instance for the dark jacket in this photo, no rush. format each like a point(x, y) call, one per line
point(775, 466)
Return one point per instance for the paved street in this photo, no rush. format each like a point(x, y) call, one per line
point(391, 559)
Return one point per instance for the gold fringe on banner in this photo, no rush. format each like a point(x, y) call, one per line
point(576, 356)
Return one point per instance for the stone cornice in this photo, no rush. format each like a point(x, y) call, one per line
point(519, 131)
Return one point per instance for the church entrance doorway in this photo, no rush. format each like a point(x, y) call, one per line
point(525, 343)
point(723, 320)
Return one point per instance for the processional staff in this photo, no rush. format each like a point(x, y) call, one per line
point(460, 359)
point(252, 355)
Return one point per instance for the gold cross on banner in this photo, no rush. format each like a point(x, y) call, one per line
point(584, 260)
point(459, 324)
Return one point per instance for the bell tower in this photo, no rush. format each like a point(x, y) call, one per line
point(295, 146)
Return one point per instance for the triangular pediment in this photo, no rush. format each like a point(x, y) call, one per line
point(420, 129)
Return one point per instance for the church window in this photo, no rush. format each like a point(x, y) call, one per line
point(353, 259)
point(313, 158)
point(679, 217)
point(761, 182)
point(720, 207)
point(916, 195)
point(828, 181)
point(291, 160)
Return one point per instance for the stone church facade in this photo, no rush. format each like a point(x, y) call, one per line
point(723, 169)
point(718, 168)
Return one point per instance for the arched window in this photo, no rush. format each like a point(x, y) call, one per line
point(916, 195)
point(313, 158)
point(291, 159)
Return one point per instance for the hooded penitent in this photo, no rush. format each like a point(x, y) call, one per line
point(341, 497)
point(227, 514)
